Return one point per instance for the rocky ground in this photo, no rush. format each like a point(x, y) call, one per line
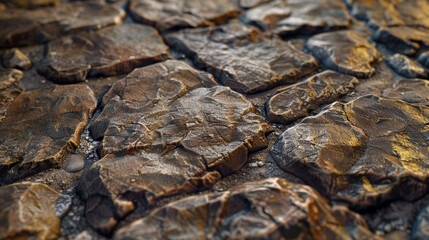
point(220, 119)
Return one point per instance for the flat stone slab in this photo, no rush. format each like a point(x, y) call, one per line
point(406, 67)
point(19, 27)
point(413, 91)
point(41, 127)
point(110, 51)
point(176, 14)
point(186, 133)
point(297, 100)
point(365, 152)
point(403, 39)
point(242, 58)
point(347, 52)
point(268, 209)
point(10, 87)
point(27, 211)
point(290, 17)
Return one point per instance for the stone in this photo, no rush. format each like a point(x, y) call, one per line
point(27, 211)
point(291, 17)
point(75, 163)
point(63, 205)
point(296, 101)
point(413, 91)
point(251, 3)
point(110, 51)
point(175, 14)
point(364, 152)
point(424, 59)
point(406, 67)
point(268, 209)
point(347, 52)
point(420, 230)
point(19, 27)
point(41, 128)
point(32, 3)
point(242, 58)
point(183, 134)
point(10, 87)
point(14, 58)
point(403, 39)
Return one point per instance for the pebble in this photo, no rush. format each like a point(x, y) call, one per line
point(75, 163)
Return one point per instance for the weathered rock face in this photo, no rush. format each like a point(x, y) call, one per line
point(344, 51)
point(420, 229)
point(14, 58)
point(291, 17)
point(242, 58)
point(364, 152)
point(175, 14)
point(186, 137)
point(403, 39)
point(31, 3)
point(268, 209)
point(41, 127)
point(26, 27)
point(406, 67)
point(414, 91)
point(251, 3)
point(9, 89)
point(110, 51)
point(27, 211)
point(424, 59)
point(297, 100)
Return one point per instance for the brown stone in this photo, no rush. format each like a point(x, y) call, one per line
point(31, 3)
point(10, 87)
point(403, 39)
point(406, 67)
point(414, 91)
point(41, 127)
point(20, 27)
point(291, 17)
point(176, 14)
point(242, 58)
point(347, 52)
point(365, 152)
point(268, 209)
point(251, 3)
point(108, 52)
point(185, 137)
point(27, 211)
point(14, 58)
point(296, 101)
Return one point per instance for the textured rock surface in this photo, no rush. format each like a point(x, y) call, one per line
point(10, 87)
point(420, 229)
point(25, 27)
point(41, 127)
point(424, 59)
point(242, 58)
point(269, 209)
point(175, 14)
point(251, 3)
point(31, 3)
point(365, 152)
point(14, 58)
point(187, 139)
point(414, 91)
point(110, 51)
point(291, 17)
point(403, 39)
point(296, 101)
point(27, 211)
point(344, 51)
point(406, 67)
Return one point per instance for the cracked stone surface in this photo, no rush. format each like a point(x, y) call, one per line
point(176, 14)
point(20, 27)
point(414, 91)
point(242, 58)
point(108, 52)
point(269, 209)
point(291, 17)
point(406, 67)
point(296, 101)
point(364, 152)
point(27, 211)
point(10, 87)
point(403, 39)
point(41, 127)
point(347, 52)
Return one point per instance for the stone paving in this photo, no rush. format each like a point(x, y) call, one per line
point(217, 119)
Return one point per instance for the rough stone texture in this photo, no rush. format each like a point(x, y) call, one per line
point(41, 127)
point(414, 91)
point(268, 209)
point(10, 87)
point(14, 58)
point(175, 14)
point(296, 101)
point(26, 27)
point(291, 17)
point(365, 152)
point(31, 3)
point(344, 51)
point(242, 58)
point(188, 136)
point(406, 67)
point(403, 39)
point(420, 229)
point(27, 211)
point(251, 3)
point(108, 52)
point(424, 59)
